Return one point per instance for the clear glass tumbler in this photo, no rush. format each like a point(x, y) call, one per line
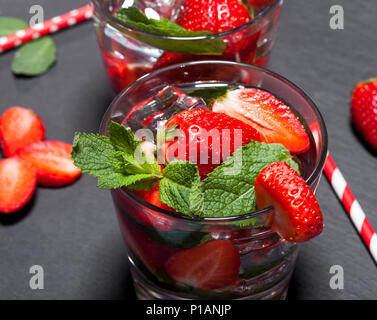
point(153, 235)
point(126, 58)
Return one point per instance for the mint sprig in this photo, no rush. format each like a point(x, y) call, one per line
point(117, 160)
point(135, 18)
point(112, 159)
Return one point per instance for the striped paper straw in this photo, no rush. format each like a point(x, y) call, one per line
point(49, 26)
point(352, 206)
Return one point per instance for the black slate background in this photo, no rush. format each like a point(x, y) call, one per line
point(73, 232)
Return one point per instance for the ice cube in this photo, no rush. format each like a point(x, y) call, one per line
point(154, 112)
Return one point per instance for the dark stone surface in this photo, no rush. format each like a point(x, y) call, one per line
point(73, 232)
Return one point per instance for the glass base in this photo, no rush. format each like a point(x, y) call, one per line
point(146, 290)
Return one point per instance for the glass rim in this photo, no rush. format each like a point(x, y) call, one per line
point(312, 177)
point(254, 21)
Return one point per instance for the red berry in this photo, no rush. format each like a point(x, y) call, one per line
point(212, 265)
point(296, 216)
point(52, 160)
point(153, 197)
point(272, 118)
point(204, 133)
point(18, 180)
point(364, 110)
point(213, 15)
point(19, 127)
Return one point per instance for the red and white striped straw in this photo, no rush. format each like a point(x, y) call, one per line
point(352, 206)
point(49, 26)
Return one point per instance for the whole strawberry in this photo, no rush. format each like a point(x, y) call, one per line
point(215, 16)
point(364, 110)
point(207, 138)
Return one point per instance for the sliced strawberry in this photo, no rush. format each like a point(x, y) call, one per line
point(18, 180)
point(52, 160)
point(208, 138)
point(19, 127)
point(272, 118)
point(212, 265)
point(296, 216)
point(259, 3)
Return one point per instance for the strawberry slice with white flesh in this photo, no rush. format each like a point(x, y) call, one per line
point(52, 160)
point(19, 127)
point(268, 115)
point(296, 215)
point(18, 181)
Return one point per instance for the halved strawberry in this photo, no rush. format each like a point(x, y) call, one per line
point(272, 118)
point(212, 265)
point(18, 180)
point(19, 127)
point(208, 138)
point(52, 160)
point(296, 216)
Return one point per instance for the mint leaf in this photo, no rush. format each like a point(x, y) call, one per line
point(134, 18)
point(122, 139)
point(111, 159)
point(229, 189)
point(35, 57)
point(180, 188)
point(135, 161)
point(9, 25)
point(208, 94)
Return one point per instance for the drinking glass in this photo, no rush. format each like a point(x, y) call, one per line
point(153, 235)
point(126, 58)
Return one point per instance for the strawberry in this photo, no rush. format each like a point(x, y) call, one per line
point(18, 181)
point(212, 265)
point(272, 118)
point(296, 216)
point(52, 160)
point(153, 197)
point(19, 127)
point(203, 133)
point(259, 3)
point(215, 16)
point(364, 110)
